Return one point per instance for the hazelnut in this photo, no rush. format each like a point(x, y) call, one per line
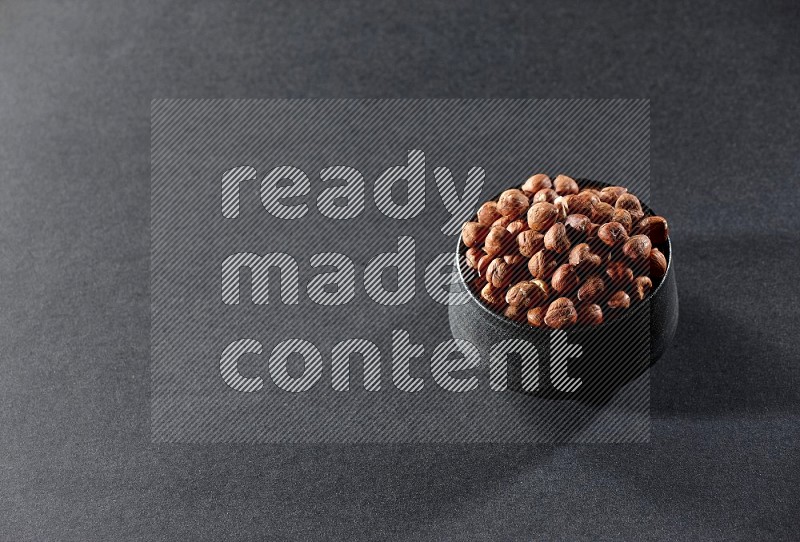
point(658, 264)
point(643, 286)
point(543, 286)
point(542, 265)
point(561, 313)
point(565, 185)
point(609, 194)
point(499, 273)
point(655, 227)
point(525, 294)
point(513, 258)
point(565, 279)
point(620, 300)
point(536, 316)
point(512, 202)
point(619, 272)
point(545, 194)
point(483, 263)
point(530, 242)
point(591, 315)
point(592, 288)
point(541, 216)
point(562, 207)
point(580, 204)
point(630, 203)
point(477, 284)
point(602, 213)
point(517, 226)
point(582, 256)
point(488, 213)
point(473, 256)
point(473, 233)
point(503, 221)
point(623, 217)
point(576, 226)
point(551, 239)
point(556, 238)
point(518, 314)
point(498, 241)
point(637, 247)
point(612, 234)
point(535, 183)
point(493, 296)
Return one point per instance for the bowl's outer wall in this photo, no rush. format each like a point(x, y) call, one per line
point(613, 353)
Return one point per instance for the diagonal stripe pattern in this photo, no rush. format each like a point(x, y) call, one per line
point(255, 335)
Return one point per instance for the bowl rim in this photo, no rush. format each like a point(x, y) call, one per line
point(461, 249)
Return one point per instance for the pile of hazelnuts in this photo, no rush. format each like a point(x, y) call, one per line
point(551, 253)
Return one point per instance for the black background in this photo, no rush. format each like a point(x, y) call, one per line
point(76, 80)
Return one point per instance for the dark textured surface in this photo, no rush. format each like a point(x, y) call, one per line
point(75, 90)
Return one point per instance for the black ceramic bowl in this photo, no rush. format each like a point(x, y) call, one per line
point(612, 354)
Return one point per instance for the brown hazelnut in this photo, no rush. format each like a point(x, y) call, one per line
point(637, 247)
point(515, 258)
point(542, 265)
point(525, 294)
point(483, 263)
point(535, 183)
point(620, 300)
point(592, 288)
point(543, 286)
point(658, 264)
point(477, 284)
point(565, 279)
point(619, 272)
point(473, 256)
point(536, 316)
point(565, 185)
point(562, 207)
point(602, 213)
point(642, 286)
point(499, 273)
point(580, 204)
point(518, 226)
point(503, 221)
point(498, 241)
point(581, 256)
point(545, 194)
point(623, 217)
point(591, 314)
point(518, 314)
point(473, 233)
point(612, 234)
point(561, 313)
point(553, 239)
point(593, 191)
point(530, 242)
point(576, 226)
point(495, 297)
point(655, 227)
point(556, 238)
point(541, 216)
point(630, 203)
point(488, 213)
point(512, 202)
point(592, 194)
point(609, 194)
